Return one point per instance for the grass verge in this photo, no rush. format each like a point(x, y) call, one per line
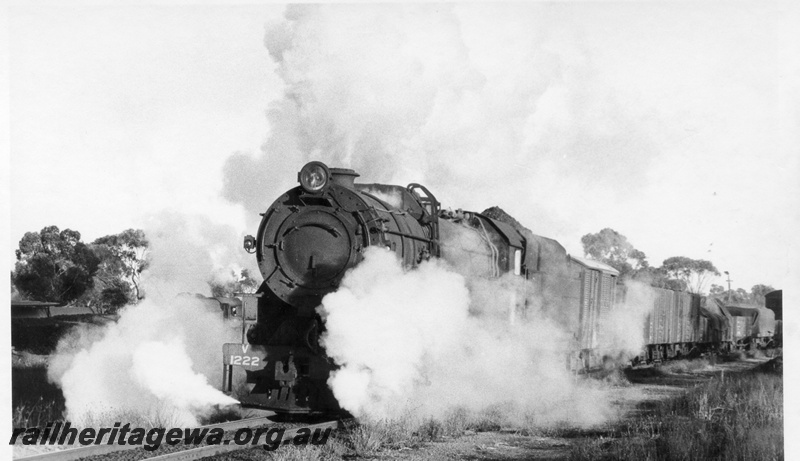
point(736, 417)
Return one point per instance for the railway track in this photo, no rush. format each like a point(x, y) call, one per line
point(104, 449)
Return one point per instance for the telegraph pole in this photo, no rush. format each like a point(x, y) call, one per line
point(729, 286)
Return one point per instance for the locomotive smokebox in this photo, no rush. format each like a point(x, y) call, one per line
point(310, 236)
point(344, 177)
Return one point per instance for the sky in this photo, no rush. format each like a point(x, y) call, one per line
point(117, 112)
point(674, 123)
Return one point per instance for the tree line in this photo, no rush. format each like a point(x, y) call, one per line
point(677, 272)
point(54, 265)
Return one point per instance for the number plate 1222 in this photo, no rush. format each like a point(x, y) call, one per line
point(244, 355)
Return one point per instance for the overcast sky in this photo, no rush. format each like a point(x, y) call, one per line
point(675, 124)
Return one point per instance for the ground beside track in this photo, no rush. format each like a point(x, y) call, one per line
point(637, 396)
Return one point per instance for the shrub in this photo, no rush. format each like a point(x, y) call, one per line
point(38, 413)
point(736, 417)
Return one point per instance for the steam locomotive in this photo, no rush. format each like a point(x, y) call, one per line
point(312, 234)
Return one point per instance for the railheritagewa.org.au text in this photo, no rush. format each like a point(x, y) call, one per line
point(151, 439)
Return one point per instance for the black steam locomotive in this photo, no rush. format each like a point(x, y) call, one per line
point(306, 242)
point(311, 235)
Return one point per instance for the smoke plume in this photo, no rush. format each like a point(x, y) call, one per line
point(430, 340)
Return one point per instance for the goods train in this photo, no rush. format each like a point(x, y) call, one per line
point(312, 234)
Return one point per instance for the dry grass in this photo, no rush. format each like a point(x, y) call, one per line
point(411, 431)
point(333, 450)
point(456, 422)
point(738, 417)
point(221, 414)
point(153, 418)
point(37, 413)
point(492, 418)
point(371, 436)
point(686, 366)
point(25, 359)
point(36, 401)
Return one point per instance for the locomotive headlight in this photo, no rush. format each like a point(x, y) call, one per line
point(250, 244)
point(314, 176)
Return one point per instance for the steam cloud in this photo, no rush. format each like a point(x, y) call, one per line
point(155, 364)
point(531, 105)
point(159, 363)
point(437, 94)
point(621, 330)
point(430, 340)
point(441, 95)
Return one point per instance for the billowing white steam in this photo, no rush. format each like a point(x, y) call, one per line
point(480, 103)
point(186, 251)
point(392, 198)
point(155, 363)
point(428, 340)
point(622, 329)
point(160, 362)
point(385, 325)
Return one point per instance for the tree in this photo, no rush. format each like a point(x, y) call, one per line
point(613, 248)
point(758, 292)
point(740, 295)
point(694, 273)
point(54, 265)
point(123, 256)
point(716, 290)
point(14, 292)
point(242, 283)
point(116, 295)
point(659, 278)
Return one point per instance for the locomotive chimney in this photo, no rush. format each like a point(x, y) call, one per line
point(344, 177)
